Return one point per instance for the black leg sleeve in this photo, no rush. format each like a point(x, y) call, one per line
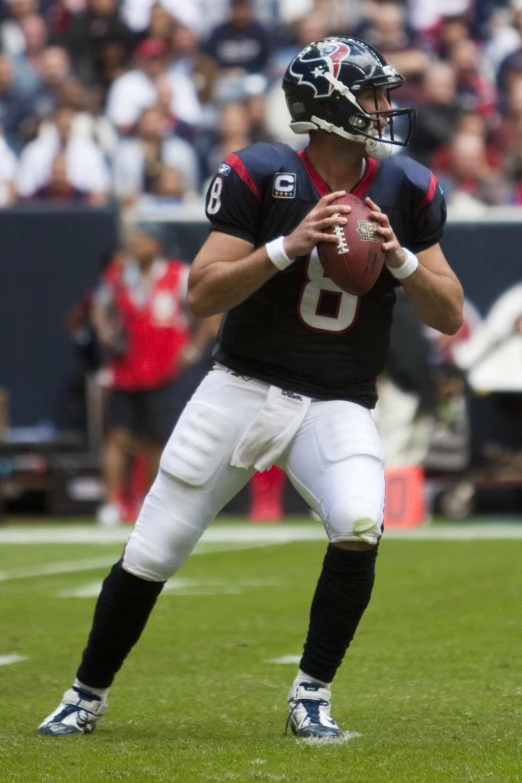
point(342, 594)
point(121, 613)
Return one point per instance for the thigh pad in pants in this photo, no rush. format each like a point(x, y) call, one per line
point(208, 430)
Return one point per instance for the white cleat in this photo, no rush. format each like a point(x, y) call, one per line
point(77, 713)
point(309, 716)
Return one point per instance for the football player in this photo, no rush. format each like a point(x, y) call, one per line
point(295, 370)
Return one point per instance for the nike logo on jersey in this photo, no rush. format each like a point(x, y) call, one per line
point(285, 185)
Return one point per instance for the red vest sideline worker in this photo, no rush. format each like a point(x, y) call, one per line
point(143, 323)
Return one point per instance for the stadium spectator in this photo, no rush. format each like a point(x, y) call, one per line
point(233, 133)
point(508, 136)
point(174, 126)
point(89, 35)
point(137, 90)
point(16, 109)
point(511, 65)
point(312, 27)
point(138, 161)
point(475, 89)
point(141, 318)
point(86, 166)
point(471, 183)
point(240, 43)
point(503, 36)
point(28, 65)
point(474, 124)
point(8, 165)
point(168, 186)
point(112, 63)
point(12, 39)
point(137, 13)
point(452, 29)
point(89, 119)
point(189, 60)
point(161, 23)
point(55, 70)
point(387, 29)
point(59, 186)
point(58, 15)
point(167, 194)
point(342, 15)
point(437, 115)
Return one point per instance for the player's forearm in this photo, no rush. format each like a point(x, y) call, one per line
point(437, 299)
point(222, 285)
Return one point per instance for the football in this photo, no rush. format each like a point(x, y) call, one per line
point(356, 261)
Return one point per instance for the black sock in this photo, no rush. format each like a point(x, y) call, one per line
point(122, 610)
point(342, 594)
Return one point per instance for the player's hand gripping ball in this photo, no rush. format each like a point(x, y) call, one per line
point(355, 262)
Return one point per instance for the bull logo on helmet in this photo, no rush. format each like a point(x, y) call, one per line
point(330, 57)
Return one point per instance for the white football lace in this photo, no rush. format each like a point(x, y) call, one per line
point(342, 247)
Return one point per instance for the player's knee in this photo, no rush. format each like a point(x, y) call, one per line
point(146, 560)
point(354, 519)
point(163, 537)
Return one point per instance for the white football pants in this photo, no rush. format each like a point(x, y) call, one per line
point(335, 462)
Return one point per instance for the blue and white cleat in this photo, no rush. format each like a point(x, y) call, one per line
point(77, 713)
point(309, 716)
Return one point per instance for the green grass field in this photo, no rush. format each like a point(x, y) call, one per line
point(432, 688)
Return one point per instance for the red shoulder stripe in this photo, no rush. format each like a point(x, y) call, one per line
point(239, 167)
point(430, 192)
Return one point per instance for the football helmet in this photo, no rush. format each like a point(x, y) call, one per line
point(322, 85)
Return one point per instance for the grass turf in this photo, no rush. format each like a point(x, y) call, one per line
point(433, 683)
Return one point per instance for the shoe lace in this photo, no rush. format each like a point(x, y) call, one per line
point(312, 710)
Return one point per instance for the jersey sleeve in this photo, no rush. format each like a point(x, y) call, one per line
point(429, 218)
point(233, 202)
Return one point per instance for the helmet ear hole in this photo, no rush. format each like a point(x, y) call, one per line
point(359, 122)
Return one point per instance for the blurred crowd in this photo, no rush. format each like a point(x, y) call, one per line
point(139, 100)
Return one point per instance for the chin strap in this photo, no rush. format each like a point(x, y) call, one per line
point(378, 150)
point(329, 127)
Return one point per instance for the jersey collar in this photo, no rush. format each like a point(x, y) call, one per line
point(323, 188)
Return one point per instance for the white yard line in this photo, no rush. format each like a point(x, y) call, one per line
point(93, 563)
point(260, 535)
point(181, 586)
point(66, 567)
point(286, 659)
point(6, 660)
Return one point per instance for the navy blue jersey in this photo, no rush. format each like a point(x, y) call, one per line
point(299, 330)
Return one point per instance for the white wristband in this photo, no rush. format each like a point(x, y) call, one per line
point(407, 268)
point(275, 251)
